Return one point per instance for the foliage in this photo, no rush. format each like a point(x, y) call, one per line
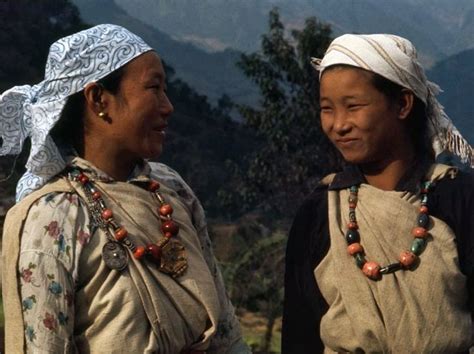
point(25, 36)
point(201, 141)
point(292, 154)
point(293, 151)
point(255, 280)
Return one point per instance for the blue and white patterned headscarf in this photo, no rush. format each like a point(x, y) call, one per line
point(32, 111)
point(395, 59)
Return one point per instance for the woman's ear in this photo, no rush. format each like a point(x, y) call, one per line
point(95, 100)
point(406, 102)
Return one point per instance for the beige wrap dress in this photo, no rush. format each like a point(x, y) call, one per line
point(59, 296)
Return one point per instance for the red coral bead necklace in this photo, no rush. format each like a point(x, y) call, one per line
point(168, 253)
point(407, 258)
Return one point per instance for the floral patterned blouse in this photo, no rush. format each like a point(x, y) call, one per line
point(57, 229)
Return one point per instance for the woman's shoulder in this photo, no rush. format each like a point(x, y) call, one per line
point(464, 178)
point(458, 186)
point(162, 170)
point(50, 224)
point(54, 213)
point(317, 198)
point(167, 175)
point(311, 217)
point(172, 179)
point(48, 192)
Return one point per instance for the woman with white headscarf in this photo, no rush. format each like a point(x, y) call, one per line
point(380, 257)
point(104, 251)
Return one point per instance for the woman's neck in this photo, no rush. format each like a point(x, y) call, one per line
point(385, 174)
point(109, 159)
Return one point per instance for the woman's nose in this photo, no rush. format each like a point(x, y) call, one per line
point(341, 124)
point(166, 106)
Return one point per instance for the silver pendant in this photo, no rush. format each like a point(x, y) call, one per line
point(115, 256)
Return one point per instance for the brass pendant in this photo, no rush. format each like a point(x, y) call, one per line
point(114, 255)
point(173, 259)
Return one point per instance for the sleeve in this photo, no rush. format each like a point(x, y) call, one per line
point(453, 203)
point(228, 337)
point(55, 230)
point(304, 305)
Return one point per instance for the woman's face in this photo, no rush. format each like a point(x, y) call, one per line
point(140, 110)
point(359, 120)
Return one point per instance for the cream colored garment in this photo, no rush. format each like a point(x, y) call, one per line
point(140, 307)
point(179, 310)
point(14, 330)
point(420, 311)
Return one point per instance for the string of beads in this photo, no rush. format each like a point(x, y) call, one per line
point(104, 217)
point(407, 258)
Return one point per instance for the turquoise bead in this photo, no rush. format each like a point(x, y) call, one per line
point(418, 245)
point(423, 220)
point(354, 189)
point(360, 260)
point(352, 236)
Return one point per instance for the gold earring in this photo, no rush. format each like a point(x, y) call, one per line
point(102, 115)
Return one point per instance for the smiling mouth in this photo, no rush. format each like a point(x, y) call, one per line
point(160, 129)
point(345, 140)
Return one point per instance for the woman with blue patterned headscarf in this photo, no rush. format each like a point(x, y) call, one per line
point(105, 251)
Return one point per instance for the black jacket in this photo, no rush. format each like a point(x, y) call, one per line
point(452, 201)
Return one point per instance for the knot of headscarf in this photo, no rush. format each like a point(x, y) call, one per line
point(15, 122)
point(32, 111)
point(395, 59)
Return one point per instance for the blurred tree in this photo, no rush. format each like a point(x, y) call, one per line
point(26, 31)
point(225, 105)
point(293, 151)
point(292, 155)
point(255, 281)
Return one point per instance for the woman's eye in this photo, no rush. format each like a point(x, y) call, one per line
point(353, 107)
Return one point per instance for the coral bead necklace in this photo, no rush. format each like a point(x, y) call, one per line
point(168, 253)
point(408, 258)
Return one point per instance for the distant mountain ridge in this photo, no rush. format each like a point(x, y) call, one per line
point(455, 76)
point(439, 28)
point(213, 74)
point(210, 74)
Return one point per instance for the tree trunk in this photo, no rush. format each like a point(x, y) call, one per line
point(267, 340)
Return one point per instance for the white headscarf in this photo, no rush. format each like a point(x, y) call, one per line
point(395, 59)
point(32, 111)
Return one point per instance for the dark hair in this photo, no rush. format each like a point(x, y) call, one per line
point(417, 121)
point(112, 81)
point(69, 130)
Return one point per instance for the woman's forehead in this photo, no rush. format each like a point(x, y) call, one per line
point(345, 77)
point(145, 66)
